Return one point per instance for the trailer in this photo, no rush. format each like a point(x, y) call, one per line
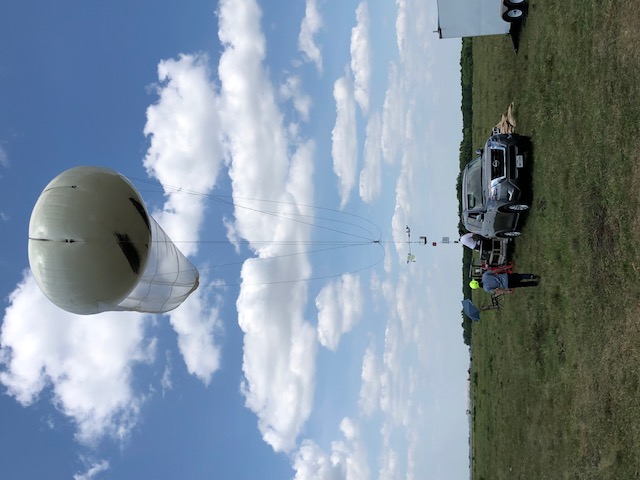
point(472, 18)
point(493, 255)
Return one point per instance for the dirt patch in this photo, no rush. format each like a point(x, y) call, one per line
point(507, 123)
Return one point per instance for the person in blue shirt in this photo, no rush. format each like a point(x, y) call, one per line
point(499, 283)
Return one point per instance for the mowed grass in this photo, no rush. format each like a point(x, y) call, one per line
point(556, 373)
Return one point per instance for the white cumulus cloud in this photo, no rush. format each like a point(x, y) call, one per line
point(93, 471)
point(370, 176)
point(370, 387)
point(346, 461)
point(393, 117)
point(344, 148)
point(339, 309)
point(4, 158)
point(402, 22)
point(292, 90)
point(185, 152)
point(361, 57)
point(310, 26)
point(86, 361)
point(165, 382)
point(279, 344)
point(195, 322)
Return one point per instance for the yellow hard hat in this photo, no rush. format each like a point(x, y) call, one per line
point(474, 284)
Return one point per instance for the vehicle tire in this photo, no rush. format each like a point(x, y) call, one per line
point(517, 207)
point(513, 15)
point(513, 3)
point(511, 234)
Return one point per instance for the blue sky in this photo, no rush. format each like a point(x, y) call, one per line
point(349, 106)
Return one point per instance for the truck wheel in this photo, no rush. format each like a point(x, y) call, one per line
point(517, 207)
point(512, 234)
point(513, 15)
point(513, 3)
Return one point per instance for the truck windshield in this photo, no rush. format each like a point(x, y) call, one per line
point(473, 183)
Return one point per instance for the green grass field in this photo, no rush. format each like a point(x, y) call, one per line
point(556, 373)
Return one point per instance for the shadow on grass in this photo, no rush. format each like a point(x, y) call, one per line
point(516, 29)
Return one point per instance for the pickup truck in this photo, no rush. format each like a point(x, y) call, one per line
point(496, 186)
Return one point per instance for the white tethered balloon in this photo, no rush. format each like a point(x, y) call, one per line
point(93, 247)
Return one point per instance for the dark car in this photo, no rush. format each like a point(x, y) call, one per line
point(495, 187)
